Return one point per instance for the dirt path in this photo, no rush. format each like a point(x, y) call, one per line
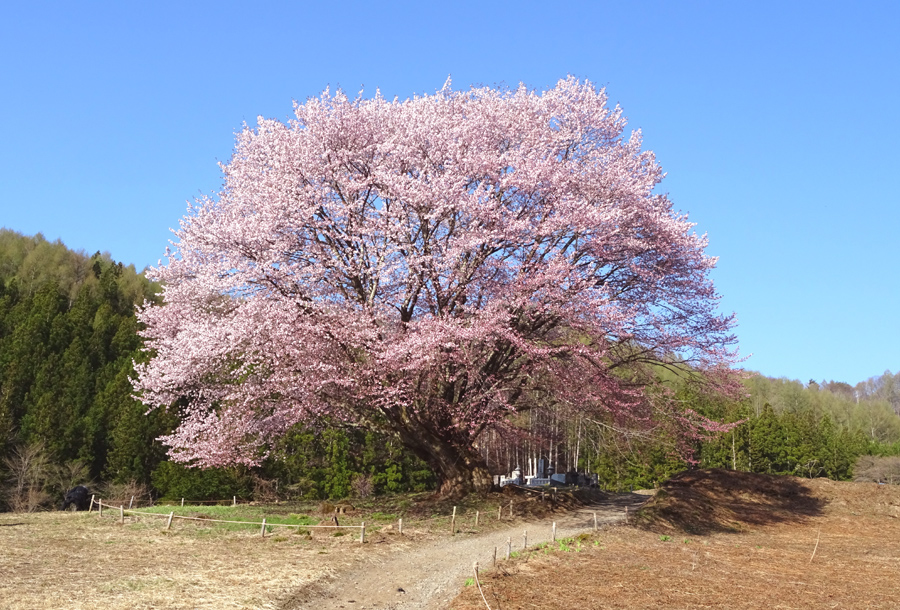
point(428, 575)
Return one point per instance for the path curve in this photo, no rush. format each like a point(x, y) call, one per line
point(428, 575)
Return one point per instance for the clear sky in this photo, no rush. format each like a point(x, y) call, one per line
point(778, 124)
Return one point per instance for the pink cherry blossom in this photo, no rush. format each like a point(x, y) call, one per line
point(429, 267)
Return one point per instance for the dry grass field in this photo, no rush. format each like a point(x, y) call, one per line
point(76, 560)
point(79, 560)
point(716, 539)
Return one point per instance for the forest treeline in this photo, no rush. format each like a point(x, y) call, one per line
point(69, 338)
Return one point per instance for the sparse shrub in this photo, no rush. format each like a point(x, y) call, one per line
point(877, 469)
point(363, 485)
point(264, 490)
point(71, 474)
point(121, 493)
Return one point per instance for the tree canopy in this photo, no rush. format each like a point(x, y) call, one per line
point(429, 267)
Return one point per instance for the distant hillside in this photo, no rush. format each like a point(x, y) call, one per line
point(68, 336)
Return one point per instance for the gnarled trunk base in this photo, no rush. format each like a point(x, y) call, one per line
point(460, 470)
point(458, 480)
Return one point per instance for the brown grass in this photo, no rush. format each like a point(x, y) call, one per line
point(754, 550)
point(77, 560)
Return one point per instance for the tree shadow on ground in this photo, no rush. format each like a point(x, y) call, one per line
point(703, 502)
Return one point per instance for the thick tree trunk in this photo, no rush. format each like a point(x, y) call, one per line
point(463, 476)
point(460, 470)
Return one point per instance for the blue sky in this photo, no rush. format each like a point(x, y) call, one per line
point(777, 123)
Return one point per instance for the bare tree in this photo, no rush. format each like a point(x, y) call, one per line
point(28, 469)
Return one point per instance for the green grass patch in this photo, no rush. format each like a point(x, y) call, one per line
point(252, 515)
point(379, 516)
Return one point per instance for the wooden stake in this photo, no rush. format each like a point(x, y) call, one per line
point(817, 546)
point(553, 538)
point(499, 512)
point(400, 526)
point(121, 514)
point(182, 501)
point(362, 532)
point(131, 502)
point(234, 500)
point(525, 536)
point(508, 548)
point(169, 522)
point(476, 518)
point(91, 507)
point(262, 530)
point(495, 555)
point(477, 582)
point(453, 522)
point(595, 521)
point(510, 509)
point(626, 515)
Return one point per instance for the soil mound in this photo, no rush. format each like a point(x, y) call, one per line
point(714, 500)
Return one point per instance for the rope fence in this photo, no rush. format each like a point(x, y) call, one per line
point(100, 504)
point(171, 516)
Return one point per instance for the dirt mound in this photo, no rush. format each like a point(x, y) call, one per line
point(716, 500)
point(535, 502)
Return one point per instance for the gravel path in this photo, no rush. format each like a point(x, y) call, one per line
point(428, 575)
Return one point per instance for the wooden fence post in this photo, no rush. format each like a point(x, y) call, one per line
point(525, 536)
point(400, 526)
point(362, 532)
point(91, 507)
point(182, 501)
point(553, 539)
point(121, 514)
point(131, 502)
point(595, 521)
point(510, 509)
point(453, 522)
point(495, 555)
point(499, 512)
point(169, 522)
point(508, 548)
point(262, 530)
point(234, 500)
point(476, 518)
